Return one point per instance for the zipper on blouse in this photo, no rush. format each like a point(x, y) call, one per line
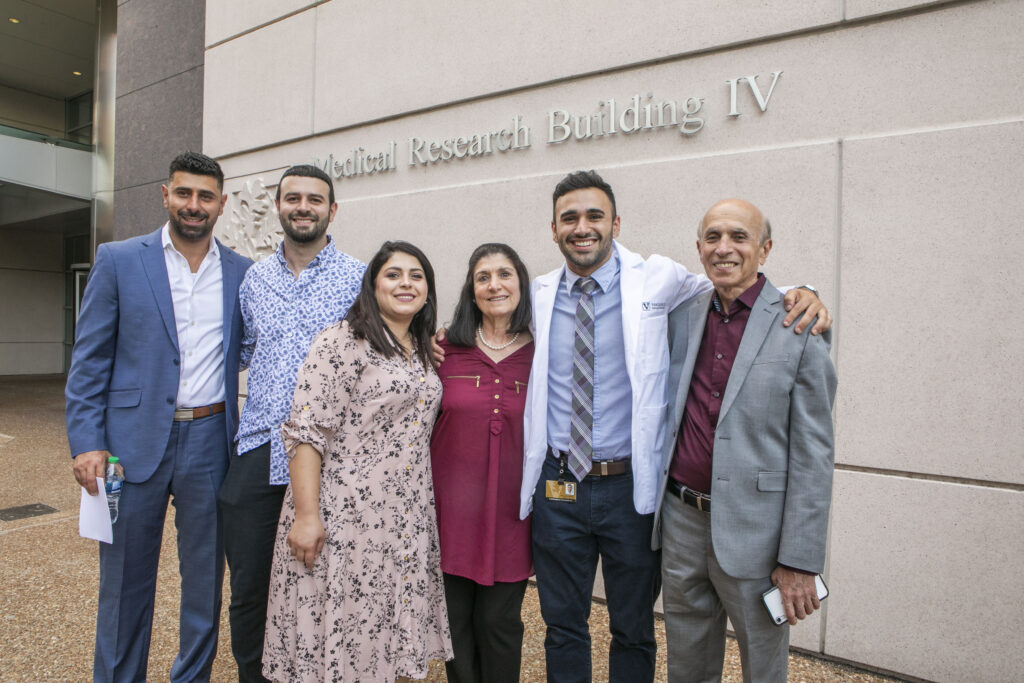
point(520, 384)
point(476, 378)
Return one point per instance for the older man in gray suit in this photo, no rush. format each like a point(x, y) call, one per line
point(747, 476)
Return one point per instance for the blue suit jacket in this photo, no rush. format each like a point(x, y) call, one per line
point(123, 381)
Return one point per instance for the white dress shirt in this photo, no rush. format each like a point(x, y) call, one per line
point(199, 316)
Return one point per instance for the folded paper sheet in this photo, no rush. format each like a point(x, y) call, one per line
point(94, 516)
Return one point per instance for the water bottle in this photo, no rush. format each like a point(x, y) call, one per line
point(113, 483)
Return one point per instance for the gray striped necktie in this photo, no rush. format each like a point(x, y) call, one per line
point(581, 424)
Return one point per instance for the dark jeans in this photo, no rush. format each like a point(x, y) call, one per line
point(250, 508)
point(568, 538)
point(487, 630)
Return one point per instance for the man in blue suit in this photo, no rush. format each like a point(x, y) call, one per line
point(154, 381)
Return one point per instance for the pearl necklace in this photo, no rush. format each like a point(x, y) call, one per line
point(510, 342)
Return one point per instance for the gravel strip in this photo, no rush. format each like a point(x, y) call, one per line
point(49, 576)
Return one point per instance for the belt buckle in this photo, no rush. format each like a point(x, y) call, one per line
point(700, 502)
point(183, 415)
point(604, 468)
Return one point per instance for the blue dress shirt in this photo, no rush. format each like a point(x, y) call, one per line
point(613, 400)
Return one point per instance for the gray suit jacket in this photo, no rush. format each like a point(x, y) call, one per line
point(771, 479)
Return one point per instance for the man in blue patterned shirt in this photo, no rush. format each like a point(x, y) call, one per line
point(286, 300)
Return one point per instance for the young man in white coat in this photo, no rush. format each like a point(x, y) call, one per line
point(595, 429)
point(747, 475)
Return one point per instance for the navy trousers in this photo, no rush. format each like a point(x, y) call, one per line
point(191, 472)
point(568, 538)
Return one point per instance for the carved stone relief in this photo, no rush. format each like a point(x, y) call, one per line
point(253, 228)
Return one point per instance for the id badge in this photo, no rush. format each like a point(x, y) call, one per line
point(564, 491)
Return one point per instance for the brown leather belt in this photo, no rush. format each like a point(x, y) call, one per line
point(189, 414)
point(701, 501)
point(599, 468)
point(606, 468)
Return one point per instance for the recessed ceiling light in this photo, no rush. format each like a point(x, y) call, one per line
point(77, 73)
point(13, 20)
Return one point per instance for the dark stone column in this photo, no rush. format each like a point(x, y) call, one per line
point(159, 105)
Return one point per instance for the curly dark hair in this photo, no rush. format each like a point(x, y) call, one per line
point(197, 164)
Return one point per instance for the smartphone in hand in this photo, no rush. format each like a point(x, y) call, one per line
point(772, 599)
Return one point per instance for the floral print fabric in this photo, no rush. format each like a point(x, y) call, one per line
point(282, 314)
point(373, 606)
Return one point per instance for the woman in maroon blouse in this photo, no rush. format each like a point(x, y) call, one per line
point(477, 459)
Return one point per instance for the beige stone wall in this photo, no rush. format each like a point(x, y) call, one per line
point(888, 158)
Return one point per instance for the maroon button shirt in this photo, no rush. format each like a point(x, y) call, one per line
point(691, 464)
point(476, 453)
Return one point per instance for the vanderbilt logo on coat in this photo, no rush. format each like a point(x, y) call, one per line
point(653, 305)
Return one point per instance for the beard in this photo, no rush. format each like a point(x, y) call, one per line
point(589, 260)
point(304, 235)
point(190, 232)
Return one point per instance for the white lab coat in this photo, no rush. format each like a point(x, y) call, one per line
point(650, 289)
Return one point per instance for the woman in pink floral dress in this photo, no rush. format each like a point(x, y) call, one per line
point(356, 589)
